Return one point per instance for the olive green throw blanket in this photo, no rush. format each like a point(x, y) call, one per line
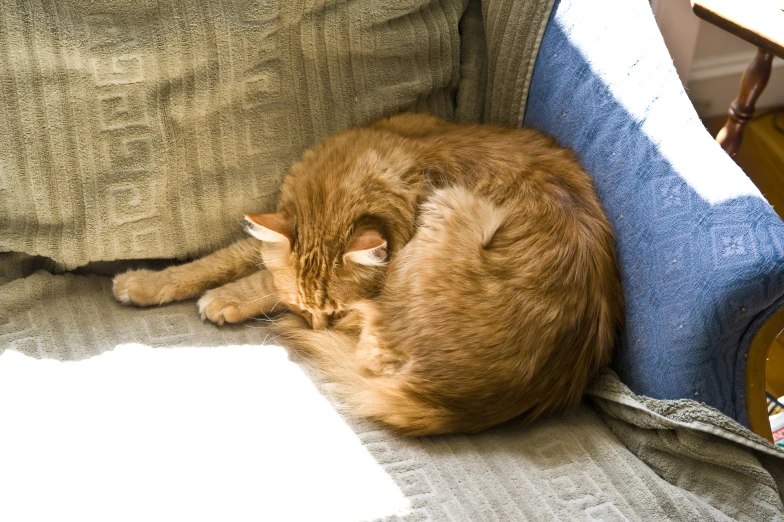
point(145, 129)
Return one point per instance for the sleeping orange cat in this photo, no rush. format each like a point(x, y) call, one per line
point(453, 276)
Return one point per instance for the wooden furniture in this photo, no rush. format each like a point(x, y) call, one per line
point(775, 374)
point(757, 359)
point(760, 22)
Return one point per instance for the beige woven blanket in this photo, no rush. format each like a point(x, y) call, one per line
point(146, 129)
point(156, 416)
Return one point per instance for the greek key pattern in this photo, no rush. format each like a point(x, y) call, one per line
point(127, 143)
point(569, 467)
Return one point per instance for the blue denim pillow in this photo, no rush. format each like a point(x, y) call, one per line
point(701, 252)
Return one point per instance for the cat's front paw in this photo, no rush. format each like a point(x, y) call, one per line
point(220, 308)
point(140, 288)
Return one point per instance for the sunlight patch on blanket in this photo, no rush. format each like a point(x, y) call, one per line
point(640, 85)
point(230, 433)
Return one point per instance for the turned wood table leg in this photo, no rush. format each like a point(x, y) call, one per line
point(754, 80)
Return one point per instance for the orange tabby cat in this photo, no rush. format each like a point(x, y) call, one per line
point(466, 273)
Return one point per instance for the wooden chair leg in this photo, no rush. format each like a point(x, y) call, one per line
point(754, 80)
point(756, 362)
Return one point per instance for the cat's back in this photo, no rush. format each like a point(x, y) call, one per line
point(507, 299)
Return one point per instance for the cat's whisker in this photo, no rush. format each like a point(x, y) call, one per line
point(260, 298)
point(266, 337)
point(266, 319)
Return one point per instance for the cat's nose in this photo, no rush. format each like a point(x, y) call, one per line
point(319, 321)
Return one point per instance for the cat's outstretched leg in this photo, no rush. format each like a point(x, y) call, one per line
point(147, 287)
point(243, 299)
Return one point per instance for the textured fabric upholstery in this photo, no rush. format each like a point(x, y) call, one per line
point(701, 252)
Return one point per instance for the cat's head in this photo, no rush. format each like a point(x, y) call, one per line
point(316, 275)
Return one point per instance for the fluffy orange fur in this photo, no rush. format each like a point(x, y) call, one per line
point(454, 276)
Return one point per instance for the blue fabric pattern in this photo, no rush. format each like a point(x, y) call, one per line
point(701, 252)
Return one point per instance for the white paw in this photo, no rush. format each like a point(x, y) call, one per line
point(139, 287)
point(204, 302)
point(218, 309)
point(121, 295)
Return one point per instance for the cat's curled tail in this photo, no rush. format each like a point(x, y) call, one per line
point(483, 318)
point(387, 397)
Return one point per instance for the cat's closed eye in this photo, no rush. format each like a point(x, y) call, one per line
point(301, 311)
point(317, 320)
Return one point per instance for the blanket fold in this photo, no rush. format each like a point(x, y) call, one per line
point(143, 130)
point(696, 447)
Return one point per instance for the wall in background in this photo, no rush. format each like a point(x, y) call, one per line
point(710, 61)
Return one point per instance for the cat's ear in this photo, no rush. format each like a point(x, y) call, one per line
point(272, 228)
point(368, 247)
